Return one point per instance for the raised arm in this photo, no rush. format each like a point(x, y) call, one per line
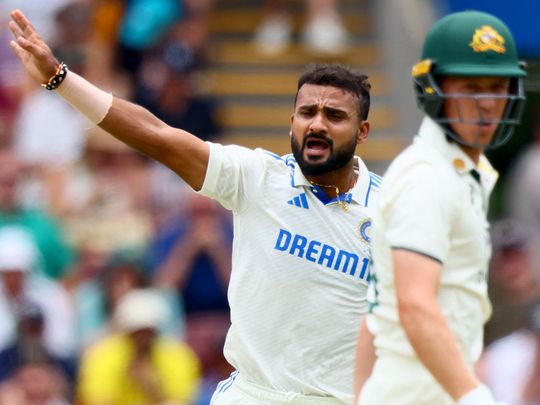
point(181, 151)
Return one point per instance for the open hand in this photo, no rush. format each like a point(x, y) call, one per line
point(34, 53)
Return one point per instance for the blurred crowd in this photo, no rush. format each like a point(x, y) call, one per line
point(113, 273)
point(511, 360)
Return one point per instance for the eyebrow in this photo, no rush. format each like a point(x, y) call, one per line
point(326, 109)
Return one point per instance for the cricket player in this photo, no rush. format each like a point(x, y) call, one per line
point(302, 225)
point(431, 244)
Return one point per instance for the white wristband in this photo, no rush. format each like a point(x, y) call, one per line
point(90, 100)
point(481, 395)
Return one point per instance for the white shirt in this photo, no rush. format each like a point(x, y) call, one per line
point(508, 364)
point(54, 301)
point(300, 267)
point(431, 204)
point(44, 116)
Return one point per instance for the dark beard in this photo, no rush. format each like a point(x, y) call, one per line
point(337, 159)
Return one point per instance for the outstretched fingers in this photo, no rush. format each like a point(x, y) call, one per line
point(24, 32)
point(17, 49)
point(33, 52)
point(22, 23)
point(20, 44)
point(15, 29)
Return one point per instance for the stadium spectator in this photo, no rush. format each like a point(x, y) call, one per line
point(56, 256)
point(133, 365)
point(514, 283)
point(165, 87)
point(510, 366)
point(96, 298)
point(193, 256)
point(29, 346)
point(35, 383)
point(522, 193)
point(18, 285)
point(103, 206)
point(323, 31)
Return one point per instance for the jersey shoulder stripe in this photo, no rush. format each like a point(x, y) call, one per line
point(375, 182)
point(290, 161)
point(275, 156)
point(376, 179)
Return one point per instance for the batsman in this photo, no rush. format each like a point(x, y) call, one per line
point(431, 244)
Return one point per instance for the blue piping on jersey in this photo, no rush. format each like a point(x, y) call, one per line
point(225, 384)
point(290, 161)
point(287, 159)
point(274, 155)
point(375, 181)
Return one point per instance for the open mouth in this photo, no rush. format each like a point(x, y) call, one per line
point(316, 148)
point(487, 126)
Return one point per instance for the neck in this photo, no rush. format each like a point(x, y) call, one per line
point(331, 183)
point(473, 153)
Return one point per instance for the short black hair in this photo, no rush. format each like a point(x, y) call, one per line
point(337, 75)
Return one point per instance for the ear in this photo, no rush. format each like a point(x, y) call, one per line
point(363, 132)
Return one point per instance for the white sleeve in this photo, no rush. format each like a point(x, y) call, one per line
point(232, 176)
point(417, 212)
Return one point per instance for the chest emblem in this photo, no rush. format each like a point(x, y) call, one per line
point(364, 230)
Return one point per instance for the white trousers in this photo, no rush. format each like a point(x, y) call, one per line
point(237, 391)
point(398, 380)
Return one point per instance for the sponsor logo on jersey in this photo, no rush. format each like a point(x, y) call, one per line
point(322, 254)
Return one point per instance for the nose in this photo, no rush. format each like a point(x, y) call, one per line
point(318, 124)
point(488, 102)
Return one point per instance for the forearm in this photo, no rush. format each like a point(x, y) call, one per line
point(140, 129)
point(436, 347)
point(365, 358)
point(179, 150)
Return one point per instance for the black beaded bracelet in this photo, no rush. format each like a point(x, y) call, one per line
point(58, 77)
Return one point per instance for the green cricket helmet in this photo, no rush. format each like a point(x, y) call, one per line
point(470, 44)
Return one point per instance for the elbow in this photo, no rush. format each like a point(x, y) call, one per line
point(412, 311)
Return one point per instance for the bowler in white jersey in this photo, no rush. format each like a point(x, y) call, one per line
point(300, 267)
point(302, 225)
point(431, 245)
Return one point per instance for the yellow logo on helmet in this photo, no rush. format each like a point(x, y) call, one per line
point(487, 39)
point(422, 68)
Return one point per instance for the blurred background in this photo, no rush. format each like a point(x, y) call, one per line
point(105, 254)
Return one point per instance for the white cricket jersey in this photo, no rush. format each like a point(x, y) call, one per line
point(431, 204)
point(300, 267)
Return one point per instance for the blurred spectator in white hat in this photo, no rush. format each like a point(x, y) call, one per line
point(134, 364)
point(18, 285)
point(96, 298)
